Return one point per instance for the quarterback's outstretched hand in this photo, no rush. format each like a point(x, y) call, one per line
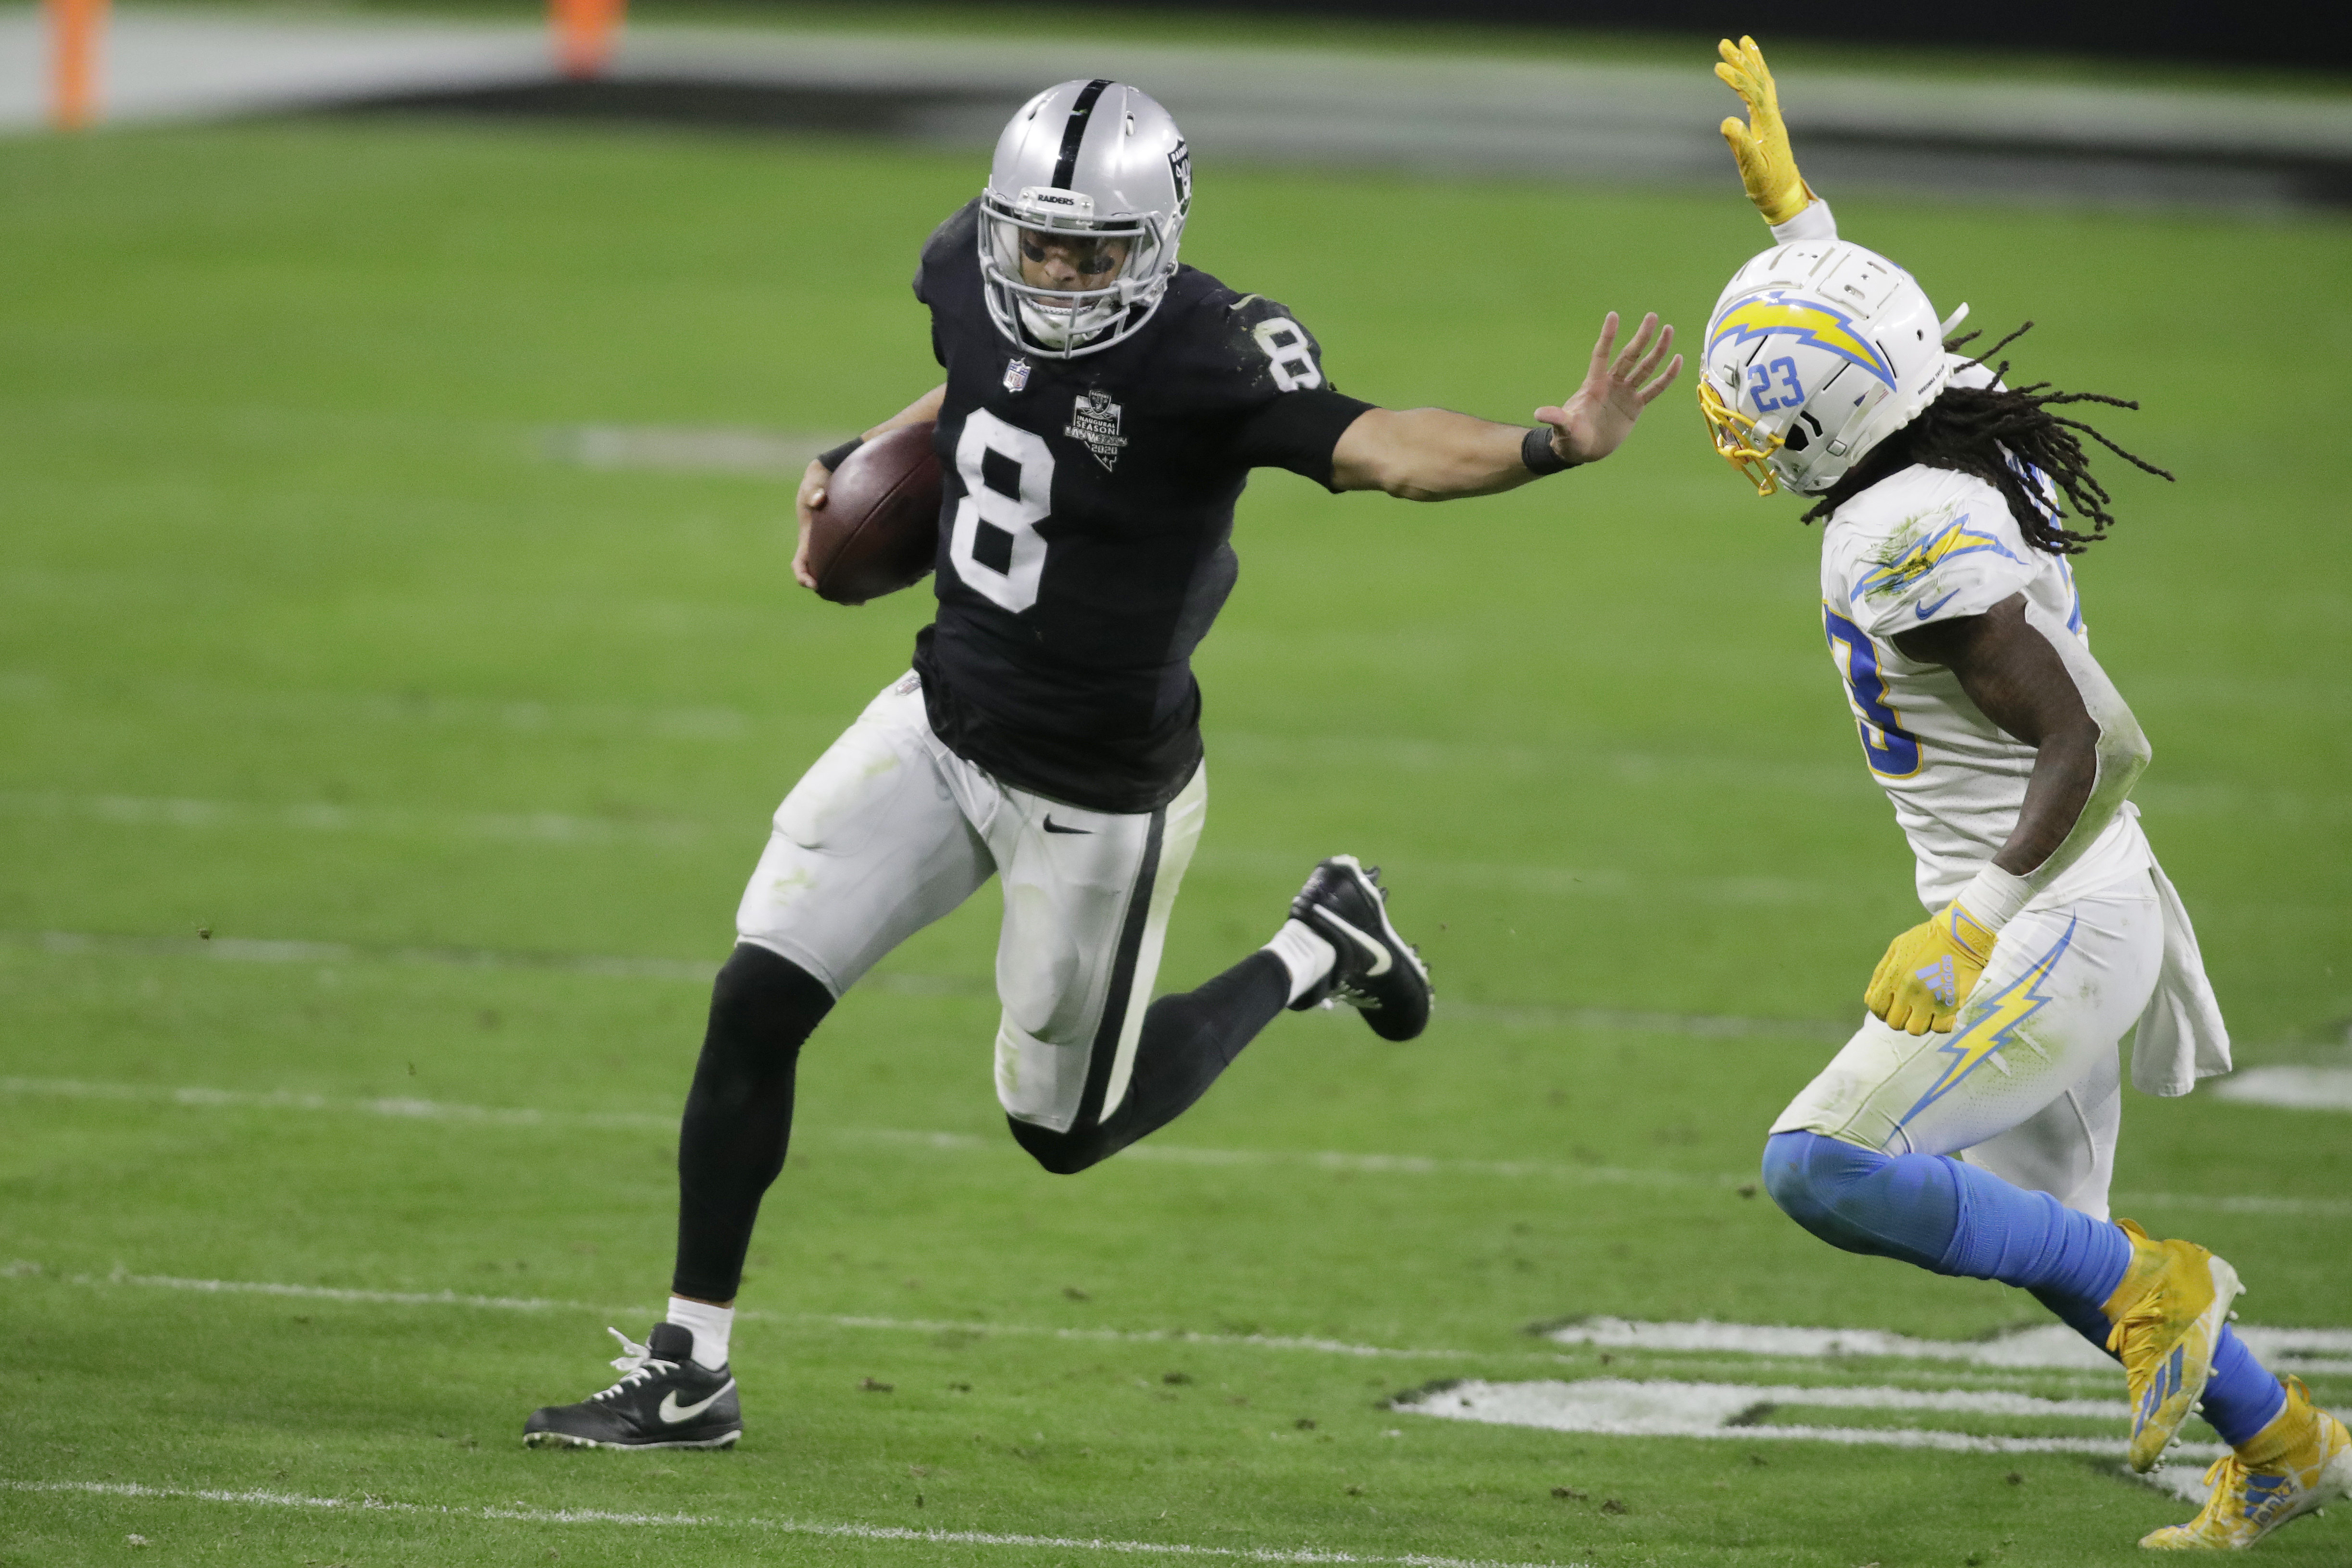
point(1595, 422)
point(1929, 971)
point(1767, 166)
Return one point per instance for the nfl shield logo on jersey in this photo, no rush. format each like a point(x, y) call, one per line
point(1017, 374)
point(1093, 419)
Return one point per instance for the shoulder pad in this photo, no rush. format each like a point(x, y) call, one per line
point(957, 235)
point(1258, 343)
point(1933, 546)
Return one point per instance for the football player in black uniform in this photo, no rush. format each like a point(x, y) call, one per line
point(1102, 409)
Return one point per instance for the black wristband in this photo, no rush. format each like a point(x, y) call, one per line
point(1536, 452)
point(834, 458)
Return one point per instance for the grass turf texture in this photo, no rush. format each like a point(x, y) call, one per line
point(284, 540)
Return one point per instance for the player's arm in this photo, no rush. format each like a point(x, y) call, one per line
point(2042, 686)
point(819, 474)
point(2088, 748)
point(1436, 454)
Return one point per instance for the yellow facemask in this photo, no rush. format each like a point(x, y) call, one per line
point(1736, 436)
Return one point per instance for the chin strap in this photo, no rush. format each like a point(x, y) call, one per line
point(1058, 332)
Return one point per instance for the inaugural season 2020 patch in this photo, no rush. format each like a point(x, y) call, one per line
point(1093, 419)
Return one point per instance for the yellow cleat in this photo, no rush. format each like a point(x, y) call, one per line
point(2167, 1315)
point(2301, 1461)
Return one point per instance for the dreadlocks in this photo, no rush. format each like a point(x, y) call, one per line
point(2002, 437)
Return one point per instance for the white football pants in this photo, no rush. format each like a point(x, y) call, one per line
point(2028, 1085)
point(890, 831)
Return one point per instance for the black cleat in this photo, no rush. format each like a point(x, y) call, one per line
point(1377, 972)
point(666, 1401)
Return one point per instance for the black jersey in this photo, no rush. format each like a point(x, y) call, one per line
point(1084, 536)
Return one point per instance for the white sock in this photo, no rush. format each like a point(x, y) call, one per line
point(1308, 957)
point(711, 1327)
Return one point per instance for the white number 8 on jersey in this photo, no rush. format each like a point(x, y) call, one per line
point(1287, 349)
point(1008, 490)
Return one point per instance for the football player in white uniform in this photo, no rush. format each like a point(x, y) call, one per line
point(1969, 1126)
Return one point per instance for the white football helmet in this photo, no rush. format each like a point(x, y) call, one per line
point(1817, 351)
point(1098, 159)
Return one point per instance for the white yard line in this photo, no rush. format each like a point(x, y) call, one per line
point(691, 449)
point(1184, 1336)
point(2302, 1350)
point(328, 817)
point(2218, 1203)
point(524, 1515)
point(2295, 1088)
point(25, 1269)
point(1424, 1164)
point(2186, 1482)
point(407, 1108)
point(399, 1108)
point(267, 950)
point(1723, 1403)
point(1608, 1406)
point(2051, 1345)
point(272, 950)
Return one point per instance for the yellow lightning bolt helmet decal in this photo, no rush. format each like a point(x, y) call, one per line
point(1775, 311)
point(1991, 1023)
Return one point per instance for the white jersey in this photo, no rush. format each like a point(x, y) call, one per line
point(1923, 546)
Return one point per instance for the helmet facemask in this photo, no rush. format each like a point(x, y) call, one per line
point(1067, 319)
point(1738, 441)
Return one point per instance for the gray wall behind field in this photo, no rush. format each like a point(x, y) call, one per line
point(2316, 34)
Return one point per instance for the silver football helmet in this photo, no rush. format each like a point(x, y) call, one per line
point(1092, 177)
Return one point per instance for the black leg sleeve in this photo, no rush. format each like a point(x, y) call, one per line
point(1187, 1038)
point(739, 1113)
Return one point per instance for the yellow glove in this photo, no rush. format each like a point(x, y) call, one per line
point(1766, 163)
point(1929, 971)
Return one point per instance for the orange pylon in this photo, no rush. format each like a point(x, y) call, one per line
point(583, 33)
point(76, 29)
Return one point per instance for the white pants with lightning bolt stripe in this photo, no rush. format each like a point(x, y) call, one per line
point(2028, 1085)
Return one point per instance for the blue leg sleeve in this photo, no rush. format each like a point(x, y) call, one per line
point(2242, 1399)
point(1954, 1219)
point(1946, 1217)
point(1906, 1207)
point(2080, 1314)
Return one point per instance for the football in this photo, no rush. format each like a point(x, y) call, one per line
point(879, 526)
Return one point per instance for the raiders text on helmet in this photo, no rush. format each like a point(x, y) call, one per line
point(1097, 158)
point(1817, 351)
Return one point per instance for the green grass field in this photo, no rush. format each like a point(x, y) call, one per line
point(461, 753)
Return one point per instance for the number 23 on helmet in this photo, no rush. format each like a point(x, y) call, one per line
point(1815, 353)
